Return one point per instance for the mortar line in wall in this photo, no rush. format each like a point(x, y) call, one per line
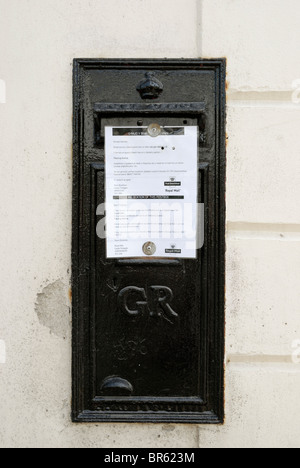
point(270, 227)
point(281, 232)
point(199, 17)
point(198, 437)
point(280, 96)
point(261, 99)
point(259, 359)
point(263, 104)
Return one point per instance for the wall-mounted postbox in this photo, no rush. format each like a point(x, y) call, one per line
point(148, 240)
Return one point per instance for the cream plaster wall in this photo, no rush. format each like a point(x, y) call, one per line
point(38, 41)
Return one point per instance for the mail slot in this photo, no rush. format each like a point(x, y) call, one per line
point(148, 241)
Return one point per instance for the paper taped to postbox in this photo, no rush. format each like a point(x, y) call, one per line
point(151, 191)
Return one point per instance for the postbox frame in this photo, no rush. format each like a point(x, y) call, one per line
point(82, 409)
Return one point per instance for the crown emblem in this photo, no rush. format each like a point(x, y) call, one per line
point(151, 87)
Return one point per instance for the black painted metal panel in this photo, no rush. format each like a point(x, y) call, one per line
point(164, 362)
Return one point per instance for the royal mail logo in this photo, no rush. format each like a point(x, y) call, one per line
point(172, 183)
point(173, 250)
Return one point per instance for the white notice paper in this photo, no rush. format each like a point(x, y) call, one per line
point(151, 192)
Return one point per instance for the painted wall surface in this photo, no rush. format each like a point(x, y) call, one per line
point(38, 41)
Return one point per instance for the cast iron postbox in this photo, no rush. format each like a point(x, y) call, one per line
point(148, 315)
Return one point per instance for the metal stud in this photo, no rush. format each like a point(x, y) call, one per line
point(154, 130)
point(149, 248)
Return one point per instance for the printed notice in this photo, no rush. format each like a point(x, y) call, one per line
point(151, 191)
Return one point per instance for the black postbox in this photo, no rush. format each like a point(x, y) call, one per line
point(148, 330)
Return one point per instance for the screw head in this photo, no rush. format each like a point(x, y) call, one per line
point(154, 130)
point(149, 248)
